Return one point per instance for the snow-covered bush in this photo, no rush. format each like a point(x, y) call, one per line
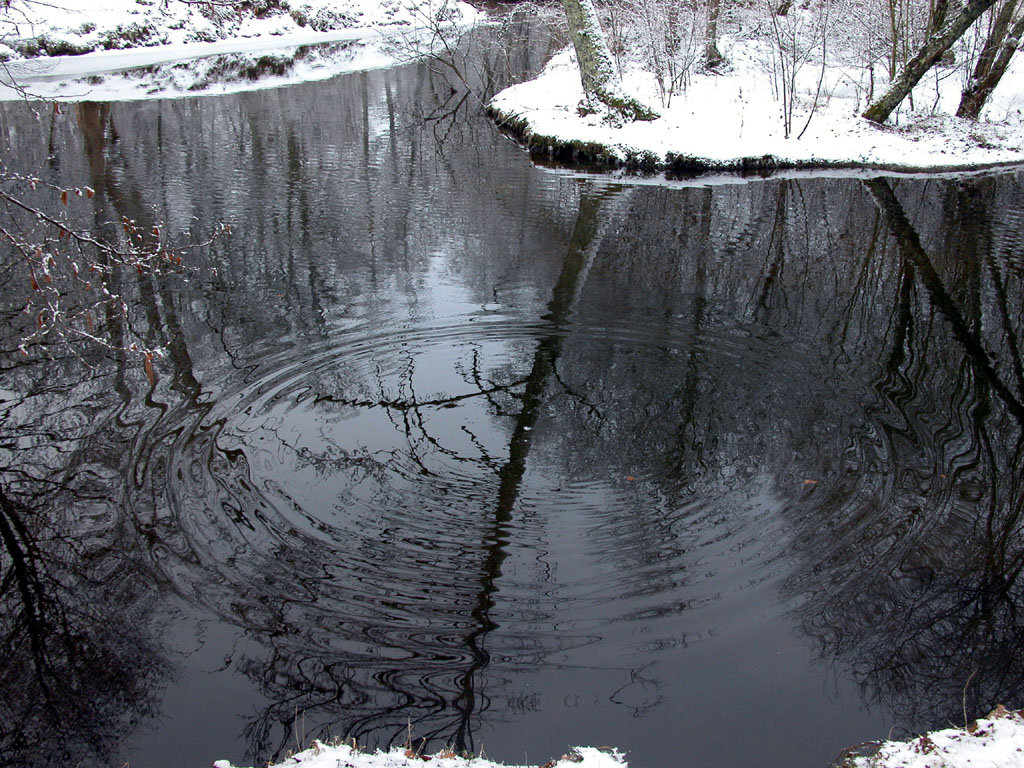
point(667, 39)
point(323, 19)
point(130, 36)
point(49, 45)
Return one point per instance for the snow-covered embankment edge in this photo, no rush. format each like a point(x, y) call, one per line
point(184, 53)
point(730, 122)
point(996, 741)
point(321, 755)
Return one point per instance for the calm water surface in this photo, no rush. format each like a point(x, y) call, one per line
point(450, 445)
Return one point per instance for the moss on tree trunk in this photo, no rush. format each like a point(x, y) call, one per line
point(929, 53)
point(597, 71)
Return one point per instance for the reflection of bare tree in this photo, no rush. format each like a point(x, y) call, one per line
point(913, 254)
point(929, 608)
point(464, 77)
point(337, 674)
point(594, 216)
point(911, 453)
point(77, 669)
point(441, 697)
point(80, 665)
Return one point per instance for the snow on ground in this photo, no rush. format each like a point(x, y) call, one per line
point(176, 48)
point(994, 742)
point(46, 27)
point(199, 68)
point(131, 49)
point(721, 118)
point(323, 756)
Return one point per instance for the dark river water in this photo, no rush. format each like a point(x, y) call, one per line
point(447, 445)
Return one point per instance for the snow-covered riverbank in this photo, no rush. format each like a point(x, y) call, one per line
point(113, 50)
point(732, 120)
point(993, 742)
point(996, 741)
point(729, 119)
point(323, 756)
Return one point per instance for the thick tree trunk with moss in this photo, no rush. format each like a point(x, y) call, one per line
point(1003, 41)
point(597, 71)
point(930, 53)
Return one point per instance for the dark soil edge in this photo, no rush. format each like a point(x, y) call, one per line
point(597, 157)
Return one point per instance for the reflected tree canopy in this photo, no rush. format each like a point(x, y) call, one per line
point(924, 598)
point(82, 664)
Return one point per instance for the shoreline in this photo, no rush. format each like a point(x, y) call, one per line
point(186, 53)
point(43, 68)
point(730, 122)
point(602, 158)
point(995, 741)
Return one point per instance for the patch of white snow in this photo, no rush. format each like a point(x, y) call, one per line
point(323, 756)
point(993, 742)
point(154, 49)
point(722, 118)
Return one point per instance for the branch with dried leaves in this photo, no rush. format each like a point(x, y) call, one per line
point(71, 272)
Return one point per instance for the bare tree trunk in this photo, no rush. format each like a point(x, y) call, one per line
point(712, 56)
point(597, 71)
point(1003, 41)
point(939, 11)
point(936, 19)
point(894, 39)
point(998, 29)
point(930, 52)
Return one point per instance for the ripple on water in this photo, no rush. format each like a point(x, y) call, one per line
point(389, 447)
point(393, 496)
